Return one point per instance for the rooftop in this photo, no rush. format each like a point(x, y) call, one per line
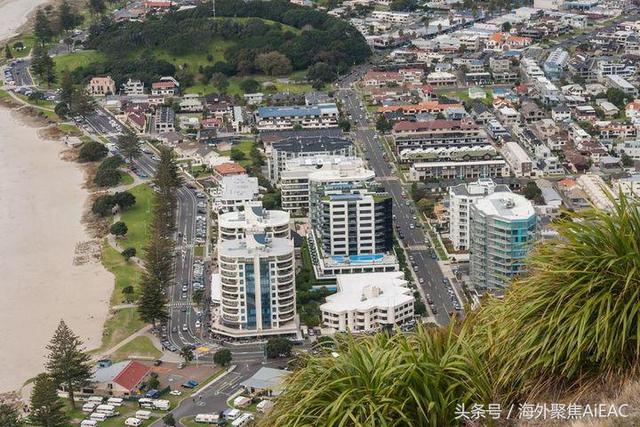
point(311, 144)
point(507, 206)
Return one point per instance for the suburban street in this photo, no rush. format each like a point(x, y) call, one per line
point(404, 209)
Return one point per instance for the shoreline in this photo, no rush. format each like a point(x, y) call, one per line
point(46, 224)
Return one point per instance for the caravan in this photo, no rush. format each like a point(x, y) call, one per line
point(98, 416)
point(143, 415)
point(88, 423)
point(133, 422)
point(115, 401)
point(208, 418)
point(161, 404)
point(146, 403)
point(243, 420)
point(89, 407)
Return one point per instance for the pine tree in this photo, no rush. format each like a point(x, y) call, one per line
point(42, 65)
point(67, 363)
point(152, 303)
point(66, 88)
point(129, 144)
point(46, 406)
point(167, 179)
point(97, 7)
point(67, 19)
point(9, 416)
point(7, 52)
point(42, 27)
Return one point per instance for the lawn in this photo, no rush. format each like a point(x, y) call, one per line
point(68, 129)
point(137, 218)
point(128, 409)
point(198, 251)
point(140, 347)
point(126, 273)
point(119, 326)
point(4, 94)
point(71, 61)
point(293, 86)
point(244, 146)
point(195, 60)
point(28, 42)
point(125, 178)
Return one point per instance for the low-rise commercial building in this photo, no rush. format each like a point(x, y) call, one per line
point(304, 116)
point(234, 191)
point(368, 302)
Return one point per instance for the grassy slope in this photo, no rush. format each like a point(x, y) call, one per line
point(126, 273)
point(140, 346)
point(75, 60)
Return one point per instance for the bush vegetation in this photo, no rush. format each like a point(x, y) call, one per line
point(567, 327)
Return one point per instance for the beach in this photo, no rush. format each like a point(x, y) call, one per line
point(41, 205)
point(14, 13)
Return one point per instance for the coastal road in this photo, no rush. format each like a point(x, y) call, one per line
point(427, 269)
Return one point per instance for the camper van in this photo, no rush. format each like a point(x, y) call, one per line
point(146, 403)
point(242, 420)
point(98, 416)
point(115, 401)
point(143, 415)
point(88, 423)
point(133, 422)
point(96, 399)
point(208, 418)
point(89, 407)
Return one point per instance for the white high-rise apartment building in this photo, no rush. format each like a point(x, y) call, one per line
point(254, 219)
point(502, 231)
point(461, 197)
point(257, 280)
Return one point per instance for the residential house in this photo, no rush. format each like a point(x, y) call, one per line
point(531, 112)
point(119, 379)
point(164, 119)
point(166, 86)
point(102, 86)
point(191, 103)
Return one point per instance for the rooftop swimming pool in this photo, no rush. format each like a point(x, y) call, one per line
point(357, 259)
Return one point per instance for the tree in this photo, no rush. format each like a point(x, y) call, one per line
point(7, 52)
point(46, 406)
point(92, 151)
point(616, 97)
point(237, 154)
point(129, 145)
point(198, 296)
point(187, 353)
point(506, 27)
point(67, 19)
point(124, 199)
point(128, 253)
point(81, 103)
point(627, 161)
point(533, 192)
point(382, 124)
point(344, 124)
point(61, 109)
point(222, 357)
point(42, 27)
point(66, 88)
point(68, 364)
point(103, 205)
point(273, 63)
point(278, 347)
point(128, 292)
point(249, 85)
point(42, 65)
point(118, 228)
point(36, 96)
point(9, 416)
point(153, 383)
point(402, 5)
point(321, 72)
point(220, 81)
point(107, 177)
point(169, 420)
point(97, 7)
point(152, 302)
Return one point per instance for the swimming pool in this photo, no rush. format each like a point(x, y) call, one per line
point(357, 259)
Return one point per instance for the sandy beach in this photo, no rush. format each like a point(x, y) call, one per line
point(14, 13)
point(41, 205)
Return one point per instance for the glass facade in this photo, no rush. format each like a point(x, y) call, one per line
point(250, 281)
point(265, 295)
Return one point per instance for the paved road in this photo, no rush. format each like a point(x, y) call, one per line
point(414, 238)
point(20, 72)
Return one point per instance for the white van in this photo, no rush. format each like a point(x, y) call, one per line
point(242, 420)
point(88, 423)
point(89, 407)
point(115, 401)
point(146, 403)
point(134, 422)
point(143, 415)
point(98, 416)
point(161, 404)
point(96, 399)
point(207, 418)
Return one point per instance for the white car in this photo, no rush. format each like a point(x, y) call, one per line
point(175, 393)
point(197, 323)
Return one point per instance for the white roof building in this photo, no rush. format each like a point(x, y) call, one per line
point(596, 189)
point(368, 301)
point(254, 219)
point(234, 191)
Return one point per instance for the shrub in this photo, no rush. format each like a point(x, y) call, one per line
point(92, 151)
